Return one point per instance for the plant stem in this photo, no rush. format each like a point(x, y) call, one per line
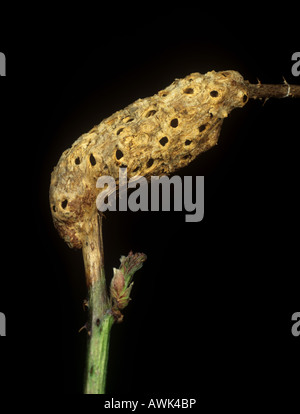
point(258, 91)
point(100, 315)
point(98, 345)
point(103, 312)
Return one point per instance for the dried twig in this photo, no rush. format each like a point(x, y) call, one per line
point(260, 91)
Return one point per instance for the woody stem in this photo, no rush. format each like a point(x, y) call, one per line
point(284, 90)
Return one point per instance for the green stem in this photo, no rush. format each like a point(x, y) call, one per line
point(100, 315)
point(103, 312)
point(98, 347)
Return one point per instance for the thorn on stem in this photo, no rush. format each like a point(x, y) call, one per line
point(82, 328)
point(265, 100)
point(85, 304)
point(289, 88)
point(85, 326)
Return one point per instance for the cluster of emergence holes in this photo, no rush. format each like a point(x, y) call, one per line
point(63, 204)
point(174, 123)
point(119, 155)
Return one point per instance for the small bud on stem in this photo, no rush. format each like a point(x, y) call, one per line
point(121, 285)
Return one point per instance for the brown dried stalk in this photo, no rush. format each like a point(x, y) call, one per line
point(265, 91)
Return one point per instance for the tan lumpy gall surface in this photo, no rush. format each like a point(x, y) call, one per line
point(152, 136)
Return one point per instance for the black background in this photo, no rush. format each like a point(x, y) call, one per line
point(211, 309)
